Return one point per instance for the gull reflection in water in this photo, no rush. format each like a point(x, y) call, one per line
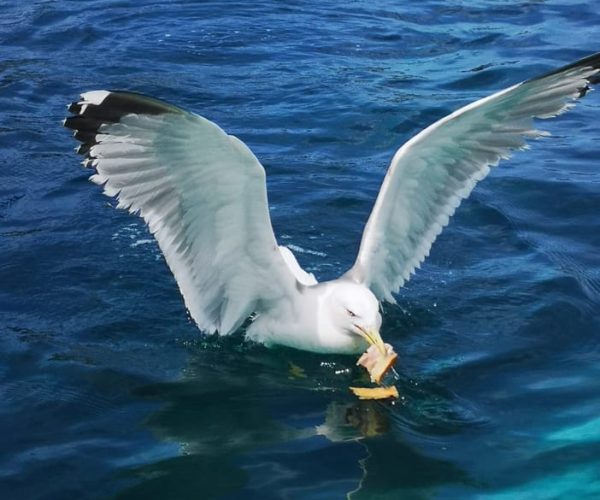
point(243, 425)
point(351, 421)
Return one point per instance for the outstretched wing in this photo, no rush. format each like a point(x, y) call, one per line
point(435, 170)
point(201, 192)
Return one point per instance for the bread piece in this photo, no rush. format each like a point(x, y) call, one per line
point(375, 392)
point(377, 363)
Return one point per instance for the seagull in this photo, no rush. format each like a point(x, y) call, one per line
point(203, 195)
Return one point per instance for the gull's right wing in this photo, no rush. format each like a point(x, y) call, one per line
point(202, 193)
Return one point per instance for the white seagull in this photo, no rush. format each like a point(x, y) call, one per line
point(203, 195)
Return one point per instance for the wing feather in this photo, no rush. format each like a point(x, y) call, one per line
point(434, 171)
point(201, 192)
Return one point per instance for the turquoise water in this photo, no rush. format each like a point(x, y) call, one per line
point(108, 389)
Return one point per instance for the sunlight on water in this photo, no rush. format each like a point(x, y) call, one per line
point(586, 432)
point(581, 483)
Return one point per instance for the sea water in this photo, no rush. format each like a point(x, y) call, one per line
point(107, 388)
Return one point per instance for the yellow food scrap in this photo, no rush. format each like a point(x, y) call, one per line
point(375, 392)
point(296, 371)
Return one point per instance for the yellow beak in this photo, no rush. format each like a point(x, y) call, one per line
point(372, 337)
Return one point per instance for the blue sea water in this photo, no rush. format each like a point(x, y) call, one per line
point(107, 389)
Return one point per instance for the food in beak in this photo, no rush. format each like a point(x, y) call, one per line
point(375, 392)
point(376, 363)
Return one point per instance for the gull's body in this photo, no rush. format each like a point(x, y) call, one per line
point(314, 321)
point(203, 195)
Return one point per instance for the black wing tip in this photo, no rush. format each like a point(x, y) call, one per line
point(100, 107)
point(591, 61)
point(74, 108)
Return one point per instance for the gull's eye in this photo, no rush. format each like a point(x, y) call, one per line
point(352, 315)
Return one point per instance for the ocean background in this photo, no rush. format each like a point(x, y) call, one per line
point(107, 388)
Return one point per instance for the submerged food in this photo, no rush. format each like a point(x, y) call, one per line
point(375, 392)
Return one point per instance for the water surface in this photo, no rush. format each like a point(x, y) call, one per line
point(109, 390)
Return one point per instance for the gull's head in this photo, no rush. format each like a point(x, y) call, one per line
point(356, 312)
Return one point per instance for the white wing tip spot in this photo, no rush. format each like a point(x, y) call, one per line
point(95, 96)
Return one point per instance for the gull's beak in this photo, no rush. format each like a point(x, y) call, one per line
point(372, 337)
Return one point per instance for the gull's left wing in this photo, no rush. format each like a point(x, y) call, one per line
point(435, 170)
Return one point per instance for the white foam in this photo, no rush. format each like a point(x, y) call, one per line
point(298, 249)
